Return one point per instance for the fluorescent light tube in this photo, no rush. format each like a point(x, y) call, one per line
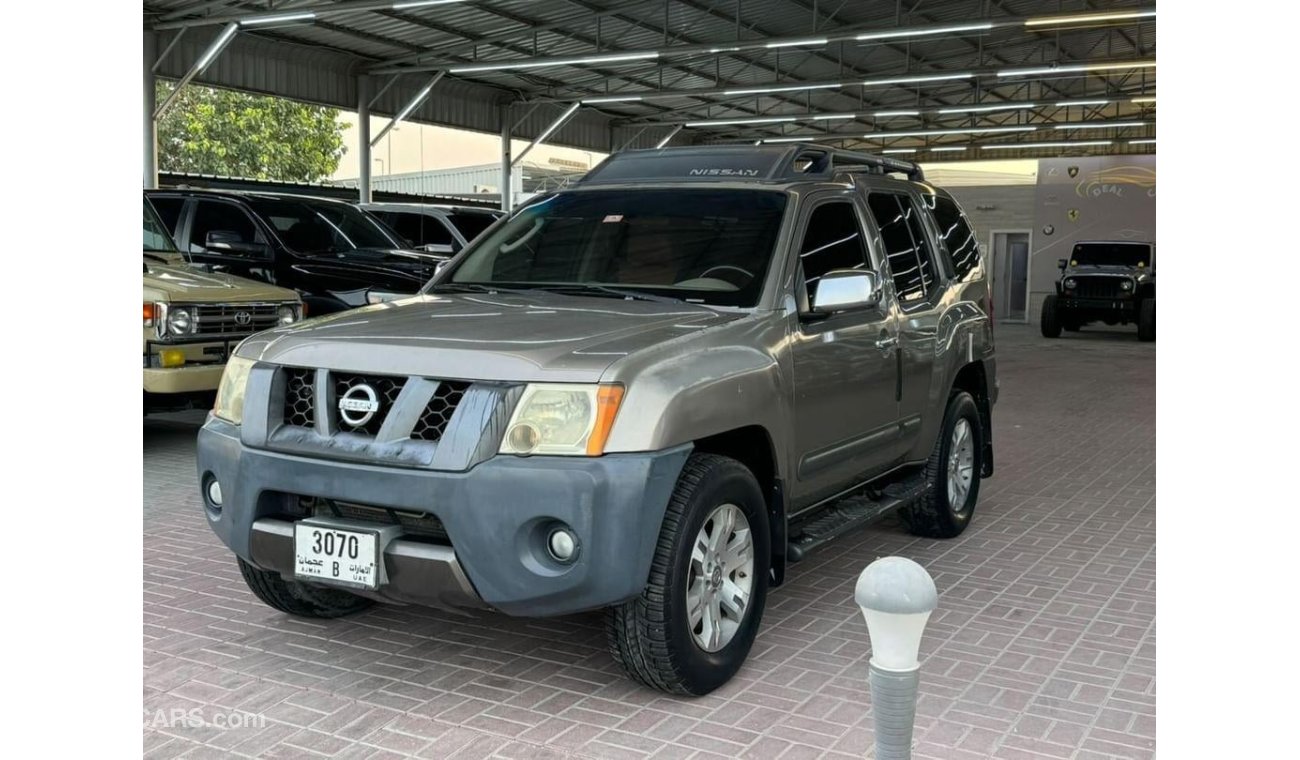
point(918, 79)
point(925, 32)
point(1149, 141)
point(1102, 125)
point(282, 18)
point(830, 116)
point(899, 150)
point(986, 109)
point(1143, 100)
point(1076, 68)
point(891, 114)
point(1087, 18)
point(939, 132)
point(612, 99)
point(726, 122)
point(1017, 146)
point(583, 60)
point(1067, 103)
point(949, 149)
point(798, 43)
point(791, 88)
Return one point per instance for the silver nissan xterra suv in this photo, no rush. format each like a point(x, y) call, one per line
point(649, 393)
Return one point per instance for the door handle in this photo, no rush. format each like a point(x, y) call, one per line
point(886, 343)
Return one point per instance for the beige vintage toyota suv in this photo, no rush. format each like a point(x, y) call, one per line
point(193, 320)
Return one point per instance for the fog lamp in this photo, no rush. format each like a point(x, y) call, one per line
point(562, 545)
point(1125, 284)
point(523, 438)
point(171, 357)
point(214, 492)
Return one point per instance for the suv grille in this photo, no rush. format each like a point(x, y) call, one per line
point(229, 320)
point(1097, 287)
point(386, 390)
point(439, 410)
point(300, 397)
point(301, 406)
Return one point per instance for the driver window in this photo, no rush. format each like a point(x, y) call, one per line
point(211, 216)
point(832, 240)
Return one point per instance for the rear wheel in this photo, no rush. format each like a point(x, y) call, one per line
point(692, 627)
point(1050, 320)
point(1147, 320)
point(299, 598)
point(952, 472)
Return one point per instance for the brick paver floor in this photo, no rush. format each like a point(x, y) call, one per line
point(1043, 645)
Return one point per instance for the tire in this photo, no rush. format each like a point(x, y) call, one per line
point(934, 516)
point(1050, 320)
point(299, 598)
point(1147, 320)
point(651, 636)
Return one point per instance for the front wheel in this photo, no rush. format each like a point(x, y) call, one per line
point(691, 628)
point(1050, 320)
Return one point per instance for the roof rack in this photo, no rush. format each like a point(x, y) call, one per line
point(743, 163)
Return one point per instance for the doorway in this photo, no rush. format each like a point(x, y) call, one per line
point(1011, 275)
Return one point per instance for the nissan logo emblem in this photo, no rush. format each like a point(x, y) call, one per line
point(243, 318)
point(358, 405)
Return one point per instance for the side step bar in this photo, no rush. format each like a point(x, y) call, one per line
point(850, 513)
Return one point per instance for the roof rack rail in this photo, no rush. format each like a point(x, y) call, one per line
point(742, 163)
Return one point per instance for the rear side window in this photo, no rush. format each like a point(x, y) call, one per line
point(957, 236)
point(833, 240)
point(910, 262)
point(418, 229)
point(471, 225)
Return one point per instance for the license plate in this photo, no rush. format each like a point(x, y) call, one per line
point(336, 555)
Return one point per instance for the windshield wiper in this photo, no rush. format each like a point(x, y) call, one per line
point(471, 287)
point(588, 288)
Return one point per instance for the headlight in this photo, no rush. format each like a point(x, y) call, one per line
point(1070, 282)
point(565, 420)
point(288, 314)
point(180, 321)
point(1125, 284)
point(230, 395)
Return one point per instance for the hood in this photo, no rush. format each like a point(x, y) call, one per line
point(507, 337)
point(1087, 269)
point(181, 283)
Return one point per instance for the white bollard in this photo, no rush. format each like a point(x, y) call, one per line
point(896, 596)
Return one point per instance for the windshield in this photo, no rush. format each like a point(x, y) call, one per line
point(1111, 254)
point(703, 246)
point(471, 224)
point(315, 227)
point(156, 239)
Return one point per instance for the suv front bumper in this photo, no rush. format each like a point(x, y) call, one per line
point(496, 516)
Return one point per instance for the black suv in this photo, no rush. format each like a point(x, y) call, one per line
point(332, 252)
point(1104, 281)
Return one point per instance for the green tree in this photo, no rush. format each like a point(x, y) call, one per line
point(213, 131)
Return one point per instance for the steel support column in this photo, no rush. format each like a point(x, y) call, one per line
point(150, 126)
point(209, 55)
point(507, 176)
point(363, 137)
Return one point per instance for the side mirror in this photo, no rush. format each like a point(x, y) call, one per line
point(1061, 263)
point(845, 289)
point(224, 241)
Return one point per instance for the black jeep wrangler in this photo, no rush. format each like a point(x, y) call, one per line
point(1104, 281)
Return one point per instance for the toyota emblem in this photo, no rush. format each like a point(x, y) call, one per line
point(358, 405)
point(243, 318)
